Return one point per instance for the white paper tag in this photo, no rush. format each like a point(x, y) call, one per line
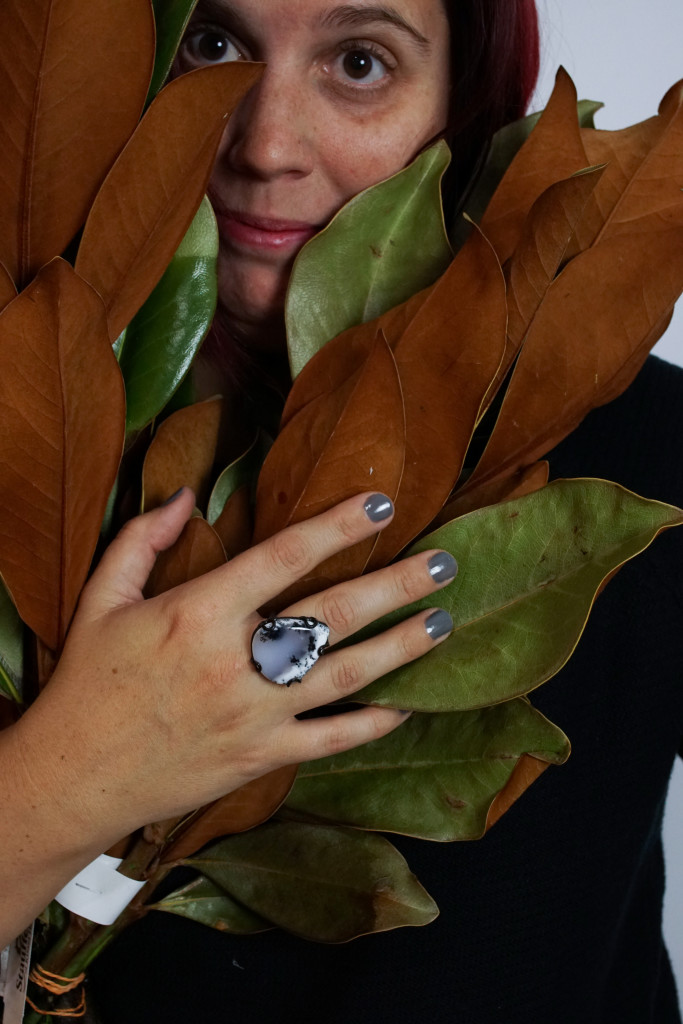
point(16, 966)
point(99, 892)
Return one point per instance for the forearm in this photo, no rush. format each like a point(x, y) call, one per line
point(40, 849)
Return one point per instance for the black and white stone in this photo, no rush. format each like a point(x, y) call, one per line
point(284, 649)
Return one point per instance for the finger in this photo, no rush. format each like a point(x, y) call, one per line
point(266, 570)
point(324, 737)
point(348, 607)
point(340, 674)
point(129, 559)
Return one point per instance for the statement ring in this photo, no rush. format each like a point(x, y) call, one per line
point(285, 649)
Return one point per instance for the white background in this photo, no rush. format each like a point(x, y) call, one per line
point(627, 53)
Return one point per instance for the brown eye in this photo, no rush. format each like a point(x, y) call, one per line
point(210, 46)
point(363, 66)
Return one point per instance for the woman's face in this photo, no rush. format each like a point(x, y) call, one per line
point(350, 94)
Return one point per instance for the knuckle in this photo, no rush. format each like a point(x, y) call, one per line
point(410, 647)
point(348, 529)
point(347, 676)
point(290, 553)
point(185, 619)
point(406, 585)
point(338, 738)
point(338, 612)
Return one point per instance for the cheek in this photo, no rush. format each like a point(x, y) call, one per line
point(362, 150)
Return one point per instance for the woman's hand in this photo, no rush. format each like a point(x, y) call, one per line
point(155, 707)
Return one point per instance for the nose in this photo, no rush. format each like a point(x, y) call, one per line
point(269, 135)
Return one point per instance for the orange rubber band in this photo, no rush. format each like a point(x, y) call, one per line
point(56, 985)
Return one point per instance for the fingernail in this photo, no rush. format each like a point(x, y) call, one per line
point(442, 567)
point(438, 624)
point(173, 497)
point(378, 508)
point(404, 713)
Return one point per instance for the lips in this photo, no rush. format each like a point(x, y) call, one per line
point(264, 233)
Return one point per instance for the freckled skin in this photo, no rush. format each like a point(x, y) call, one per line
point(310, 136)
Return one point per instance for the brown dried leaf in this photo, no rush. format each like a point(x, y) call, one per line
point(62, 419)
point(68, 111)
point(524, 481)
point(447, 353)
point(234, 525)
point(154, 189)
point(197, 550)
point(643, 177)
point(525, 773)
point(587, 342)
point(8, 289)
point(347, 441)
point(553, 151)
point(182, 454)
point(239, 811)
point(542, 249)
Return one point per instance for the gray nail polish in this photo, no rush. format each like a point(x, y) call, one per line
point(438, 624)
point(404, 713)
point(173, 497)
point(378, 507)
point(442, 567)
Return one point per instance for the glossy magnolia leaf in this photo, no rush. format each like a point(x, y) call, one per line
point(244, 808)
point(62, 415)
point(399, 247)
point(641, 187)
point(530, 571)
point(589, 338)
point(8, 290)
point(198, 550)
point(322, 883)
point(182, 454)
point(67, 112)
point(171, 18)
point(11, 647)
point(202, 901)
point(553, 151)
point(435, 777)
point(164, 337)
point(240, 473)
point(154, 189)
point(344, 443)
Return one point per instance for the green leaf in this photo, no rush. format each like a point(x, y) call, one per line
point(243, 470)
point(11, 647)
point(171, 18)
point(529, 572)
point(435, 777)
point(587, 111)
point(385, 245)
point(164, 337)
point(206, 903)
point(322, 883)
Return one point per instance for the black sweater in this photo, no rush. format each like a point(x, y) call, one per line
point(555, 916)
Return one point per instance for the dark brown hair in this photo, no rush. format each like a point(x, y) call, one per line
point(495, 63)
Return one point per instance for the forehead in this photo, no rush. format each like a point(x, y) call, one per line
point(425, 18)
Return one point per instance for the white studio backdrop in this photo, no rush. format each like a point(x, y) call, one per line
point(627, 53)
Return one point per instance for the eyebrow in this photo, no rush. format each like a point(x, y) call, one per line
point(345, 16)
point(350, 15)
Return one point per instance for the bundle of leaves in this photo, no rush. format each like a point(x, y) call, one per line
point(406, 360)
